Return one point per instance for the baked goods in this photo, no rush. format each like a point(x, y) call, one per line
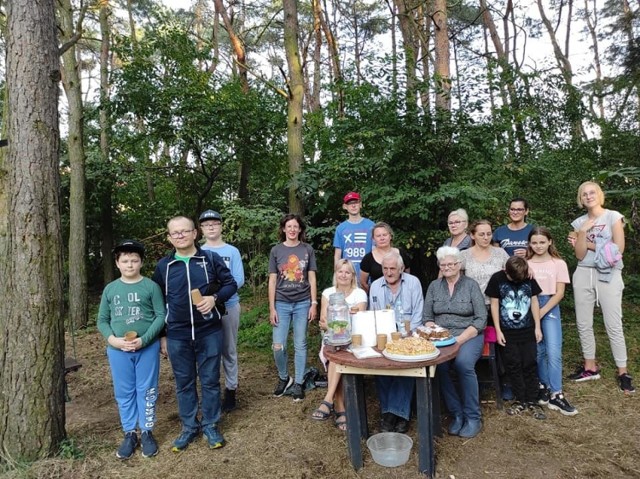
point(412, 346)
point(437, 333)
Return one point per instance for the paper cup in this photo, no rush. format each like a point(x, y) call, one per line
point(130, 335)
point(356, 340)
point(396, 336)
point(381, 341)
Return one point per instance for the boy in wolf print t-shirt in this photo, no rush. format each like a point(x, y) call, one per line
point(516, 317)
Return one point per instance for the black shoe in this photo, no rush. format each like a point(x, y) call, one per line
point(149, 444)
point(128, 446)
point(536, 411)
point(229, 402)
point(624, 382)
point(297, 391)
point(560, 403)
point(282, 386)
point(543, 395)
point(388, 422)
point(402, 425)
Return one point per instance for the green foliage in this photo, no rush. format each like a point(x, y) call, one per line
point(255, 331)
point(70, 450)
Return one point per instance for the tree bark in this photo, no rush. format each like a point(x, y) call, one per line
point(410, 45)
point(106, 208)
point(443, 56)
point(78, 308)
point(294, 106)
point(32, 412)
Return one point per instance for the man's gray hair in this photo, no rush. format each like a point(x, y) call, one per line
point(395, 256)
point(445, 251)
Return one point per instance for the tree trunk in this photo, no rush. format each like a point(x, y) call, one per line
point(294, 107)
point(443, 56)
point(407, 22)
point(78, 309)
point(32, 412)
point(106, 208)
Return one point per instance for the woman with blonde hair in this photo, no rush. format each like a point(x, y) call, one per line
point(457, 222)
point(598, 243)
point(344, 281)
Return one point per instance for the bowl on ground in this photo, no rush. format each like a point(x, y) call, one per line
point(390, 449)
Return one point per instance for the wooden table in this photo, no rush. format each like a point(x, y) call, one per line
point(354, 369)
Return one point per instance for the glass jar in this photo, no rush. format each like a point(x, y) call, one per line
point(338, 321)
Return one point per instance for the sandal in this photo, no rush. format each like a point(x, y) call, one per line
point(319, 414)
point(342, 425)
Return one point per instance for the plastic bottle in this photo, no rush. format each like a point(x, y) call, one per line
point(398, 312)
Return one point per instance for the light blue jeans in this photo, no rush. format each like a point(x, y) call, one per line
point(296, 313)
point(550, 348)
point(465, 400)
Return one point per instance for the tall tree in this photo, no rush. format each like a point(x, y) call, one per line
point(32, 412)
point(443, 56)
point(295, 83)
point(106, 209)
point(69, 34)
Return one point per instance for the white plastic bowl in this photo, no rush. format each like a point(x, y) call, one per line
point(390, 449)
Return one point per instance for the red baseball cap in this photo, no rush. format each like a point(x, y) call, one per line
point(351, 196)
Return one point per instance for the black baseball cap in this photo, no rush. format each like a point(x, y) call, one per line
point(130, 246)
point(209, 215)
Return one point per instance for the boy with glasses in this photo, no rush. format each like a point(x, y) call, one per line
point(211, 227)
point(195, 284)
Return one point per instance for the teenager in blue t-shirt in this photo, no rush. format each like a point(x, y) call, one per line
point(352, 240)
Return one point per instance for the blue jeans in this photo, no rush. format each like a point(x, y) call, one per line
point(191, 359)
point(464, 401)
point(135, 385)
point(296, 313)
point(550, 348)
point(395, 394)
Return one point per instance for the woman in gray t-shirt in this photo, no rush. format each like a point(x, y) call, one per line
point(292, 300)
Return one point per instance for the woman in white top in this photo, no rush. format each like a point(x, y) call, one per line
point(344, 281)
point(482, 259)
point(594, 232)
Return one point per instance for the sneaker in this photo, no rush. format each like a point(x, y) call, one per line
point(297, 392)
point(581, 374)
point(128, 446)
point(229, 402)
point(149, 444)
point(184, 439)
point(560, 403)
point(214, 438)
point(283, 385)
point(543, 395)
point(624, 382)
point(536, 411)
point(515, 409)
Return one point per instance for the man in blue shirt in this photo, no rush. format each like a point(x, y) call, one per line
point(211, 227)
point(395, 393)
point(353, 240)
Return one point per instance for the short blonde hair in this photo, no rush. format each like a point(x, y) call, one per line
point(599, 192)
point(382, 225)
point(461, 212)
point(339, 264)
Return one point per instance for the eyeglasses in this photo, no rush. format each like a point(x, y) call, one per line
point(180, 234)
point(455, 223)
point(517, 210)
point(449, 265)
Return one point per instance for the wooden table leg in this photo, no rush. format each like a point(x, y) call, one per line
point(354, 426)
point(424, 406)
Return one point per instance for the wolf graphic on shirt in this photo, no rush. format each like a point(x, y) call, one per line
point(515, 305)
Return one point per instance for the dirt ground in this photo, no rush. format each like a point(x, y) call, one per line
point(274, 437)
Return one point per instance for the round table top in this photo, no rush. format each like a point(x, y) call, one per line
point(347, 359)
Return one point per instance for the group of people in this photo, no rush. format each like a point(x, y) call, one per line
point(513, 276)
point(190, 312)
